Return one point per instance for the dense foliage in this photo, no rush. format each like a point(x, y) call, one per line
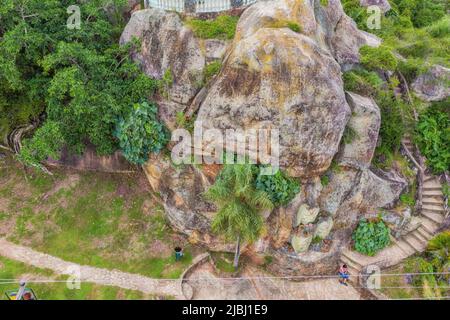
point(433, 136)
point(46, 142)
point(79, 78)
point(371, 237)
point(280, 188)
point(433, 267)
point(140, 133)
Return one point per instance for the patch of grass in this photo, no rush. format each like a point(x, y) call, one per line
point(324, 180)
point(211, 70)
point(100, 222)
point(223, 27)
point(294, 26)
point(223, 261)
point(396, 287)
point(10, 269)
point(349, 135)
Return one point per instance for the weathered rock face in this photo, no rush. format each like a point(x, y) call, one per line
point(168, 48)
point(353, 188)
point(279, 79)
point(180, 190)
point(433, 85)
point(384, 5)
point(363, 129)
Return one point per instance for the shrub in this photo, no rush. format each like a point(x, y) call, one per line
point(371, 237)
point(280, 188)
point(433, 138)
point(408, 199)
point(349, 135)
point(294, 26)
point(140, 133)
point(325, 180)
point(211, 70)
point(392, 126)
point(223, 27)
point(361, 81)
point(380, 58)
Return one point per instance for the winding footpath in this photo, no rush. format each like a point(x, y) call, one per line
point(157, 287)
point(428, 223)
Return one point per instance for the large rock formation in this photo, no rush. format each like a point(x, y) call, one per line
point(353, 187)
point(274, 76)
point(279, 79)
point(433, 85)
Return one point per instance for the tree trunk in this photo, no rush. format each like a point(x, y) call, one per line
point(237, 253)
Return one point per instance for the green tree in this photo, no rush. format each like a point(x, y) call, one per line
point(140, 133)
point(239, 205)
point(80, 78)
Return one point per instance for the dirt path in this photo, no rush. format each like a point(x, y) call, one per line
point(116, 278)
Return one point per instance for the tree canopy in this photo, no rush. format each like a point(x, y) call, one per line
point(80, 79)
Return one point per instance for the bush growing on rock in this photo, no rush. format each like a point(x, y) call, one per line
point(380, 58)
point(281, 189)
point(140, 133)
point(371, 237)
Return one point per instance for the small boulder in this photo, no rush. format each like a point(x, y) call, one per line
point(433, 85)
point(306, 215)
point(324, 228)
point(301, 243)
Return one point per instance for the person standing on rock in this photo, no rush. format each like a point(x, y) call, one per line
point(344, 275)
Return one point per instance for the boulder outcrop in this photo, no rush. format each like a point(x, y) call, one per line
point(433, 85)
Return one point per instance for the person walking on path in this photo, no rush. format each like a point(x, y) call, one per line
point(344, 275)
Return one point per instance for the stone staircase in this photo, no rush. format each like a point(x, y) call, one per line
point(431, 216)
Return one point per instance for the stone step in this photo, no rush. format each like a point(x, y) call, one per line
point(416, 234)
point(434, 217)
point(433, 208)
point(432, 189)
point(425, 232)
point(432, 184)
point(405, 247)
point(352, 269)
point(433, 201)
point(433, 193)
point(429, 225)
point(351, 262)
point(417, 245)
point(428, 178)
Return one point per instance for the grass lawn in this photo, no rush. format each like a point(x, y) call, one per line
point(396, 287)
point(59, 291)
point(97, 219)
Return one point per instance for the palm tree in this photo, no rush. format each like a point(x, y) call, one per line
point(239, 205)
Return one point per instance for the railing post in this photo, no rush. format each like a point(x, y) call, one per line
point(190, 6)
point(236, 3)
